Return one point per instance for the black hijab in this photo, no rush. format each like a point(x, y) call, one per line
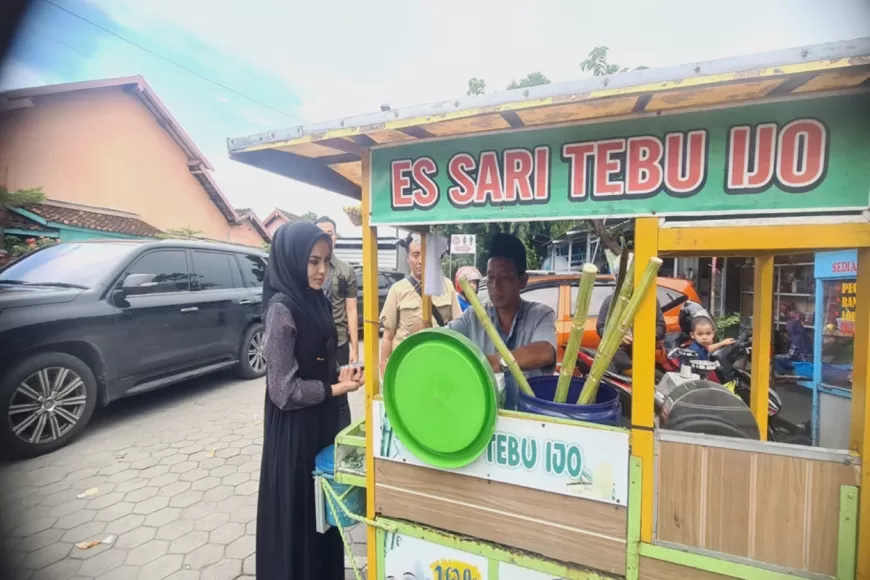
point(287, 274)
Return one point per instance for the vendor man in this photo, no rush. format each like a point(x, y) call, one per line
point(527, 328)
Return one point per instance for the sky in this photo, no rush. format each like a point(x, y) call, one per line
point(274, 64)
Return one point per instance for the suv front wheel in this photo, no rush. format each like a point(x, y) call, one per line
point(45, 402)
point(252, 359)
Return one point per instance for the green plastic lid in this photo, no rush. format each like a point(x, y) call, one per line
point(440, 397)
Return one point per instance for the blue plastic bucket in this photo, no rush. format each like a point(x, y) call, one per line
point(355, 501)
point(606, 410)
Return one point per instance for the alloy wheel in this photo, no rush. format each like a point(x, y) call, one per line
point(256, 357)
point(47, 405)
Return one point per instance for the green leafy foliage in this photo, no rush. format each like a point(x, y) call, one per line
point(17, 246)
point(309, 216)
point(185, 233)
point(531, 80)
point(726, 321)
point(17, 198)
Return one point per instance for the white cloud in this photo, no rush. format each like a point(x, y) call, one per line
point(342, 58)
point(16, 75)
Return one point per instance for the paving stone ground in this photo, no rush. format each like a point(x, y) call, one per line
point(177, 473)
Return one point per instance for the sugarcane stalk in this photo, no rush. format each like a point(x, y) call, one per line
point(500, 346)
point(620, 278)
point(578, 325)
point(621, 296)
point(611, 341)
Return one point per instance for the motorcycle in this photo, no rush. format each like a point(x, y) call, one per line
point(732, 374)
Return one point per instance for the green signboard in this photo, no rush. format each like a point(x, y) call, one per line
point(803, 155)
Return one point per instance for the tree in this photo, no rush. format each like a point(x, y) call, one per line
point(596, 62)
point(185, 233)
point(531, 80)
point(476, 86)
point(309, 216)
point(17, 198)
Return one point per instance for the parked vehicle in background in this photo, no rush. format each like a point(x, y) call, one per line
point(386, 278)
point(559, 291)
point(85, 323)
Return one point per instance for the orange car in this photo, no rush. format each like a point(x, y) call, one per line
point(559, 291)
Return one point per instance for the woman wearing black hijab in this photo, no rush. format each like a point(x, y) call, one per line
point(302, 413)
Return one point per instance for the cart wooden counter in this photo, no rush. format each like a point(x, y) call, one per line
point(754, 157)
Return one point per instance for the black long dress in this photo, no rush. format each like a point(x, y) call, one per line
point(288, 546)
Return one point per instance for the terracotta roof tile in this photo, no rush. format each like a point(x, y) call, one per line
point(92, 220)
point(12, 220)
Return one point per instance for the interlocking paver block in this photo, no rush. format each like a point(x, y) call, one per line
point(162, 517)
point(147, 552)
point(87, 531)
point(211, 522)
point(218, 493)
point(242, 547)
point(125, 524)
point(102, 563)
point(195, 474)
point(164, 480)
point(114, 512)
point(161, 567)
point(186, 499)
point(174, 489)
point(141, 494)
point(61, 570)
point(188, 542)
point(33, 526)
point(174, 530)
point(135, 538)
point(104, 501)
point(204, 556)
point(206, 483)
point(223, 570)
point(149, 506)
point(75, 519)
point(226, 533)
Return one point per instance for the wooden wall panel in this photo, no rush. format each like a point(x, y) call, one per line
point(727, 513)
point(652, 569)
point(768, 507)
point(569, 529)
point(679, 493)
point(825, 512)
point(780, 501)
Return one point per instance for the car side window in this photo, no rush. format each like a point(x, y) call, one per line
point(384, 281)
point(158, 272)
point(253, 270)
point(599, 294)
point(211, 271)
point(669, 298)
point(548, 296)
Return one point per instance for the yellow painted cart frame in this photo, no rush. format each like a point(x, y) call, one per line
point(337, 156)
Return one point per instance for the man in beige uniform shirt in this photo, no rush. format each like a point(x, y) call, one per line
point(403, 309)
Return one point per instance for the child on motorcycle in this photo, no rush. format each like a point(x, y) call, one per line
point(703, 334)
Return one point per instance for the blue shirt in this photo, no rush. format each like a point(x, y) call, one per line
point(702, 352)
point(534, 322)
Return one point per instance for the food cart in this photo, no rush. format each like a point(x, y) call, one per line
point(747, 157)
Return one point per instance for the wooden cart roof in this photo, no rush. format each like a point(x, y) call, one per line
point(327, 154)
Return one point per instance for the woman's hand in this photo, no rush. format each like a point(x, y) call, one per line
point(349, 380)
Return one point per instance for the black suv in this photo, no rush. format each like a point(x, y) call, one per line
point(86, 323)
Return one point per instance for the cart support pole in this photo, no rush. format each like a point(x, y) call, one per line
point(646, 239)
point(762, 335)
point(427, 300)
point(859, 440)
point(371, 353)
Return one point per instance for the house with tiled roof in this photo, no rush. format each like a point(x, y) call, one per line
point(112, 162)
point(278, 218)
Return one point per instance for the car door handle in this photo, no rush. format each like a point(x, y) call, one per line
point(190, 309)
point(244, 302)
